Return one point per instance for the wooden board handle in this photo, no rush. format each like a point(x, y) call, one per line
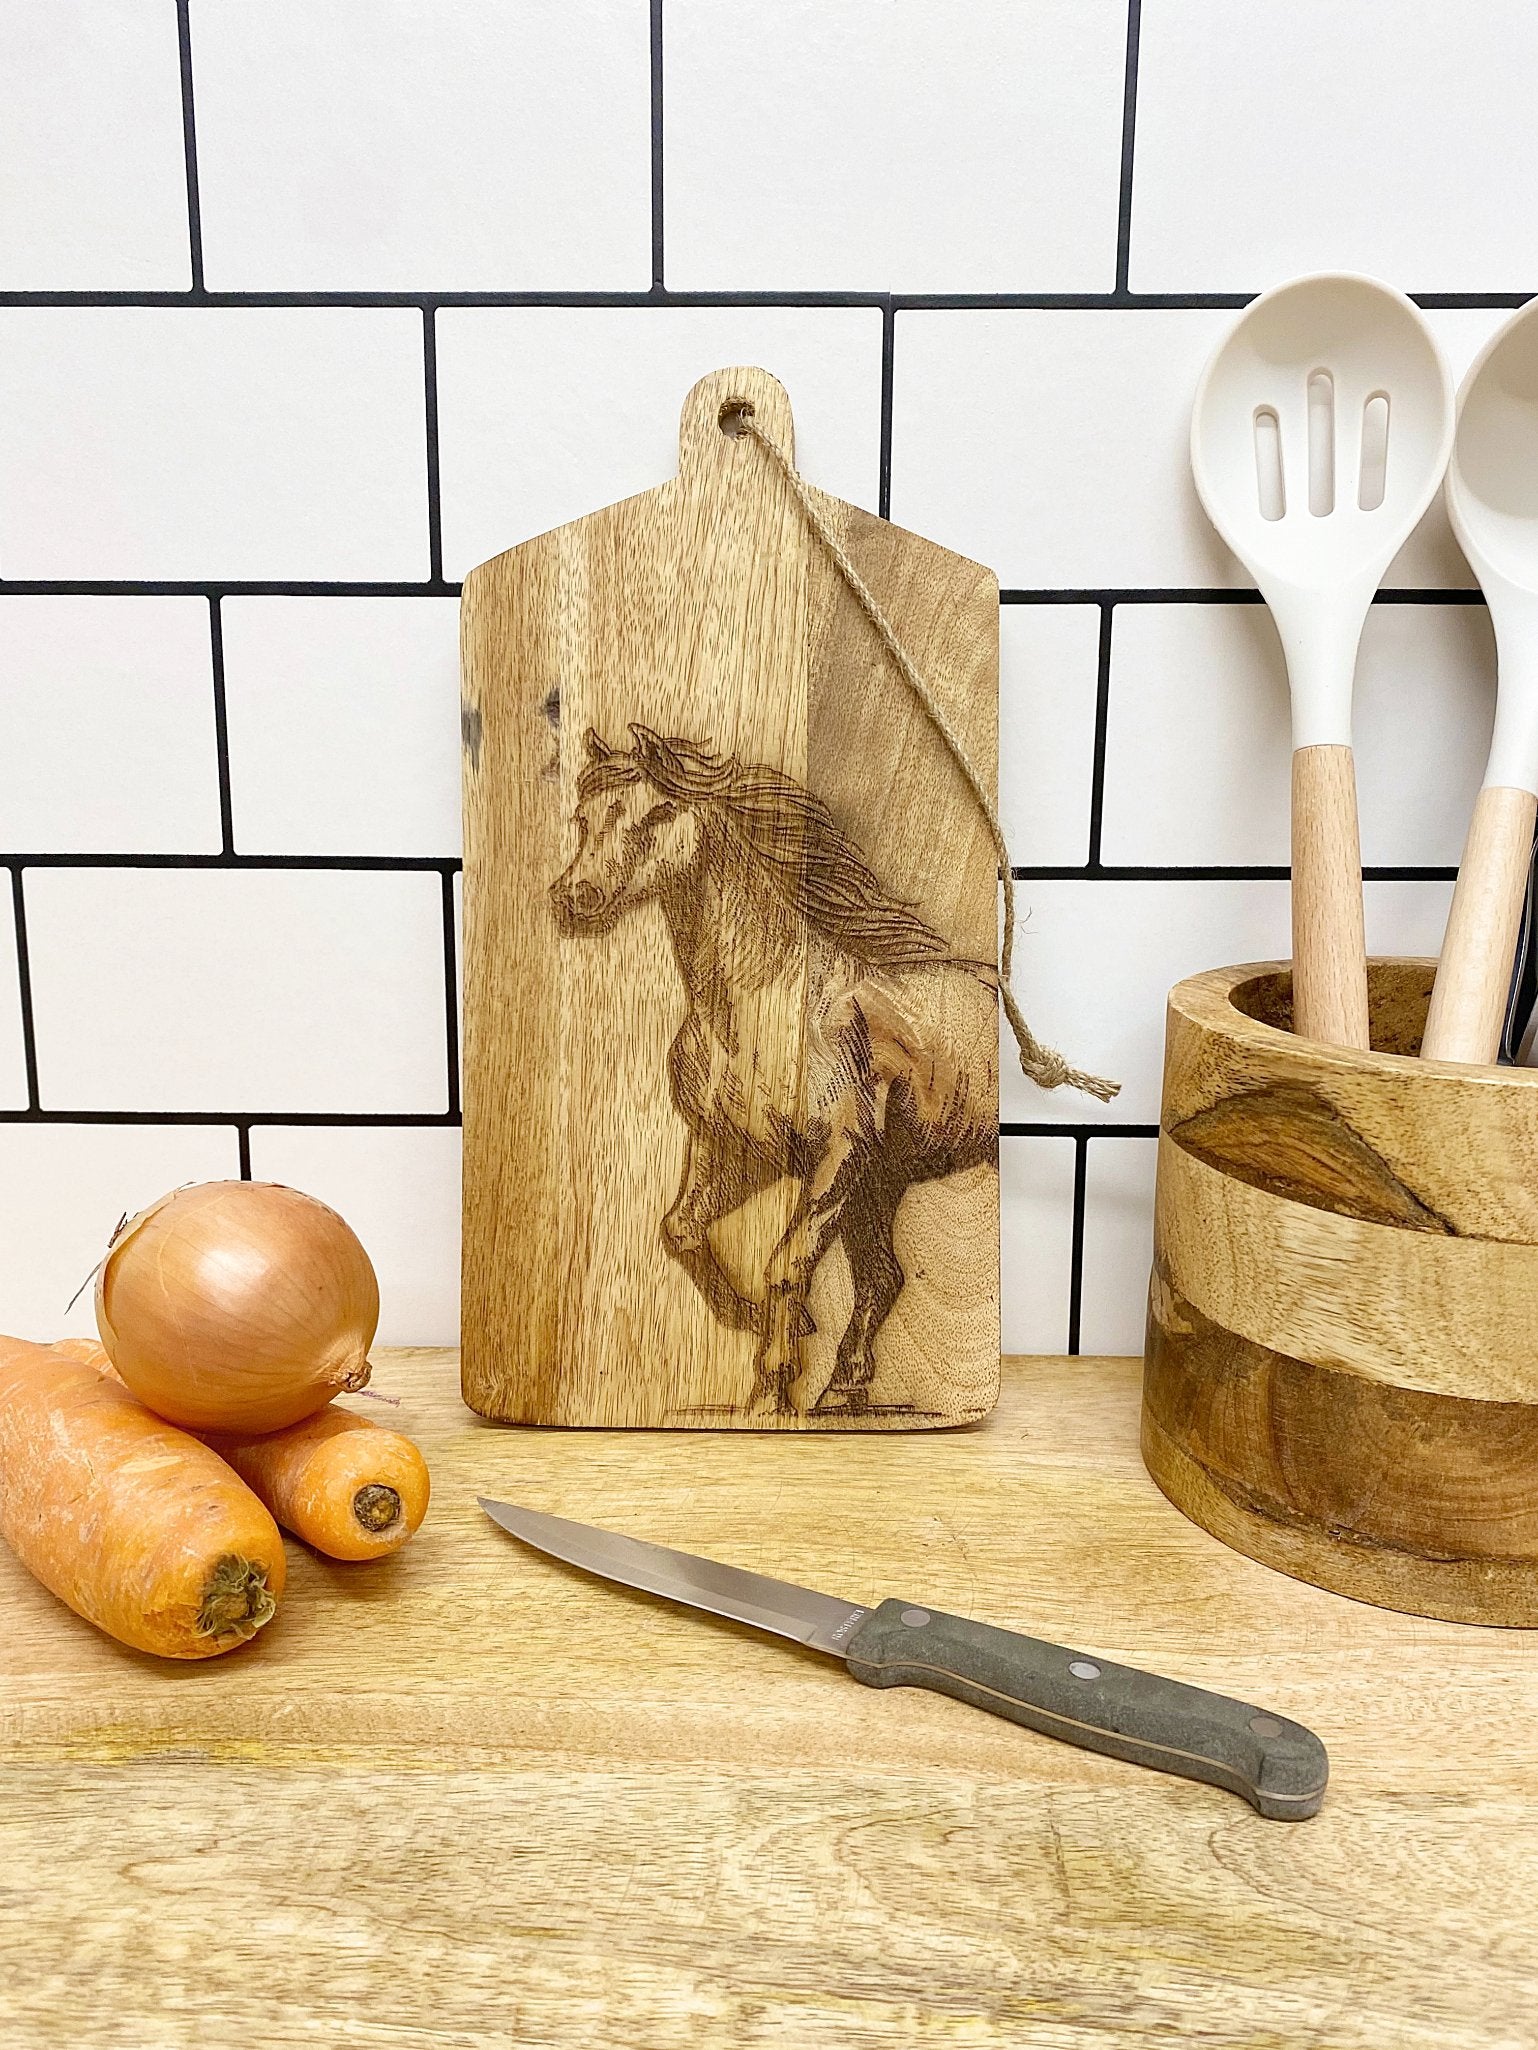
point(708, 441)
point(1468, 1000)
point(1329, 947)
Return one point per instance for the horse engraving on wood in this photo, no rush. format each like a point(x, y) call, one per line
point(830, 1036)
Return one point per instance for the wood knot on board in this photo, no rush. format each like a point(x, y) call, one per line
point(1294, 1144)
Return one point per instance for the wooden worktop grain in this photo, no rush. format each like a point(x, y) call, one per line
point(467, 1797)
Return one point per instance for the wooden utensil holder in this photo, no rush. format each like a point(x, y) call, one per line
point(1342, 1354)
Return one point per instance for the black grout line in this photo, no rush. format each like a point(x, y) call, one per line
point(435, 1120)
point(243, 1141)
point(656, 146)
point(1194, 594)
point(190, 147)
point(1462, 596)
point(888, 356)
point(451, 992)
point(283, 301)
point(1219, 872)
point(1102, 715)
point(448, 866)
point(1207, 594)
point(1076, 1254)
point(903, 302)
point(1128, 148)
point(24, 987)
point(221, 729)
point(404, 864)
point(430, 407)
point(1150, 594)
point(1455, 302)
point(1041, 1128)
point(160, 587)
point(323, 1119)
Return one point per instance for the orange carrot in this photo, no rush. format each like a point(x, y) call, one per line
point(91, 1350)
point(346, 1485)
point(138, 1527)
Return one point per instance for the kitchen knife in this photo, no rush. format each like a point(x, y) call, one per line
point(1276, 1765)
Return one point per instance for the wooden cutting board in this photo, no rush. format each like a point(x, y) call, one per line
point(730, 1042)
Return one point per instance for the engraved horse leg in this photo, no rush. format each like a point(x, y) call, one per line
point(877, 1274)
point(716, 1180)
point(814, 1224)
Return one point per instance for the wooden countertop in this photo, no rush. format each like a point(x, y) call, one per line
point(467, 1797)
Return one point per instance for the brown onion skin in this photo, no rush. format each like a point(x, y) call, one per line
point(237, 1306)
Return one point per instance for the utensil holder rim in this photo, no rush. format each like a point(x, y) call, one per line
point(1207, 1001)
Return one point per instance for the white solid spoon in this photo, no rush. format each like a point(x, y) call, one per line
point(1319, 436)
point(1492, 500)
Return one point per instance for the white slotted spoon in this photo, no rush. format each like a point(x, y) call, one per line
point(1492, 501)
point(1319, 436)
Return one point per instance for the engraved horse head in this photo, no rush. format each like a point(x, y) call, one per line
point(634, 838)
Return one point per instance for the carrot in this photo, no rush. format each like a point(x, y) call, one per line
point(138, 1527)
point(91, 1350)
point(346, 1485)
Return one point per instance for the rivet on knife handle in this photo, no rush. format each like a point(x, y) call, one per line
point(1279, 1767)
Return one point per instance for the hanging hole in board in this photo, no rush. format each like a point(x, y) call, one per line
point(1373, 478)
point(734, 416)
point(1269, 482)
point(1321, 443)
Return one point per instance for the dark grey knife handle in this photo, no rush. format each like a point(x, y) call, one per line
point(1276, 1765)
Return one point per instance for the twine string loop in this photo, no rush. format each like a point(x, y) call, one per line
point(1043, 1065)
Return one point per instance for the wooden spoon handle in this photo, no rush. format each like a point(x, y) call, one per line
point(1329, 947)
point(1468, 1001)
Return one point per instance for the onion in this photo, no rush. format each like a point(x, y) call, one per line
point(237, 1306)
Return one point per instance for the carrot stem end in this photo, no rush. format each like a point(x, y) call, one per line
point(376, 1507)
point(236, 1600)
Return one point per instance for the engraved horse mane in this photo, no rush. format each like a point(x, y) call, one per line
point(789, 832)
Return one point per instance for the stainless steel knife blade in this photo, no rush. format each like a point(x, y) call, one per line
point(1276, 1765)
point(799, 1613)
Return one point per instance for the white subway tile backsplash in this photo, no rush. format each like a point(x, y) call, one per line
point(1118, 1243)
point(474, 146)
point(1049, 666)
point(1199, 735)
point(238, 990)
point(1300, 135)
point(546, 413)
point(1431, 557)
point(1198, 738)
point(974, 147)
point(95, 191)
point(399, 1190)
point(1004, 424)
point(1094, 963)
point(13, 1064)
point(343, 724)
point(1054, 445)
point(212, 442)
point(1036, 1255)
point(107, 726)
point(830, 147)
point(63, 1189)
point(1425, 702)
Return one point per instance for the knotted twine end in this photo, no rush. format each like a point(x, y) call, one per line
point(1042, 1065)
